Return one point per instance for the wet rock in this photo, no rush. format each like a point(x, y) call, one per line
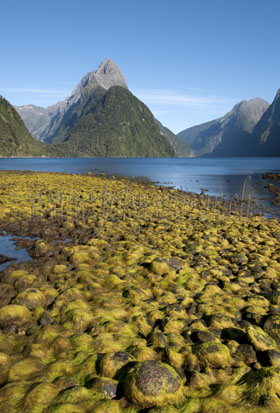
point(107, 406)
point(5, 363)
point(213, 354)
point(40, 396)
point(236, 334)
point(198, 336)
point(175, 263)
point(106, 386)
point(78, 319)
point(166, 409)
point(4, 259)
point(31, 298)
point(220, 321)
point(45, 319)
point(269, 358)
point(246, 353)
point(158, 339)
point(152, 383)
point(41, 248)
point(260, 340)
point(256, 384)
point(272, 326)
point(14, 314)
point(7, 292)
point(113, 362)
point(26, 369)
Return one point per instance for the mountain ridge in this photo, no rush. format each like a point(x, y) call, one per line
point(266, 133)
point(229, 135)
point(58, 123)
point(46, 120)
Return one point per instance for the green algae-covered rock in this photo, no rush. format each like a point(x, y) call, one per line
point(106, 386)
point(12, 396)
point(6, 293)
point(112, 362)
point(229, 392)
point(5, 362)
point(78, 319)
point(26, 369)
point(75, 394)
point(152, 383)
point(272, 326)
point(215, 405)
point(259, 338)
point(165, 409)
point(256, 384)
point(66, 408)
point(107, 406)
point(31, 298)
point(39, 397)
point(192, 405)
point(214, 354)
point(14, 314)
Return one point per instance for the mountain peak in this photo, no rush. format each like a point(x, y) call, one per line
point(108, 74)
point(248, 113)
point(107, 66)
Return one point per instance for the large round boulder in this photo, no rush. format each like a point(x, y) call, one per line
point(152, 383)
point(14, 314)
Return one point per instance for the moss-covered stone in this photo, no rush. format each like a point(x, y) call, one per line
point(259, 338)
point(256, 384)
point(5, 363)
point(113, 362)
point(31, 298)
point(107, 406)
point(153, 383)
point(106, 387)
point(26, 369)
point(214, 354)
point(198, 291)
point(39, 397)
point(14, 314)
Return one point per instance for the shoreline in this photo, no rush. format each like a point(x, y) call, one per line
point(127, 281)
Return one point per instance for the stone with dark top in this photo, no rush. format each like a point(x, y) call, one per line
point(152, 383)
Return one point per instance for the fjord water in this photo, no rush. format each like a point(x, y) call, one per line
point(219, 176)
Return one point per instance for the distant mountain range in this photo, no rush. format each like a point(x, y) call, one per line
point(251, 128)
point(101, 117)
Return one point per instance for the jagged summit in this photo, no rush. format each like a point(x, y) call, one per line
point(107, 66)
point(108, 74)
point(43, 122)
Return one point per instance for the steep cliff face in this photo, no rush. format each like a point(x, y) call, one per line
point(15, 140)
point(229, 135)
point(266, 133)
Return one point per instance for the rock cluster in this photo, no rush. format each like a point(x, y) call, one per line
point(147, 305)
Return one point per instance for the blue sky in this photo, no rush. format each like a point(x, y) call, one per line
point(189, 61)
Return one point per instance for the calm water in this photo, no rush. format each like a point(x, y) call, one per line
point(9, 249)
point(217, 175)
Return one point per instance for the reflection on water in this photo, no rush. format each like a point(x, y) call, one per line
point(8, 249)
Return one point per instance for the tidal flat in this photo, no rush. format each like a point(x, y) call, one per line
point(138, 299)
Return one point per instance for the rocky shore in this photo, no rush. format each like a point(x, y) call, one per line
point(138, 299)
point(275, 189)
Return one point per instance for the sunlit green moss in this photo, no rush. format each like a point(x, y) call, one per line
point(147, 275)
